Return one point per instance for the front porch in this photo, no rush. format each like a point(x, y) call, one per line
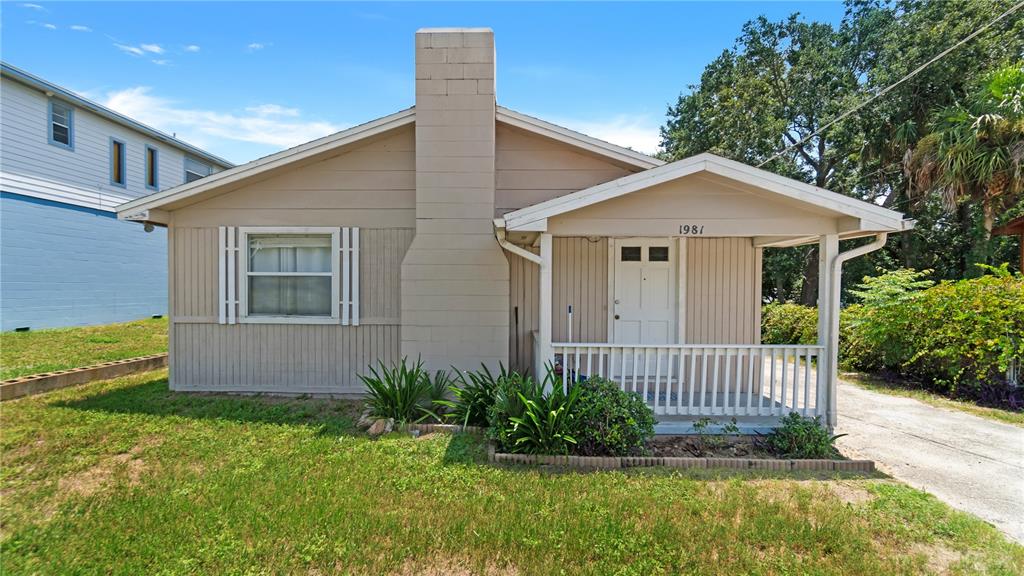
point(678, 302)
point(753, 384)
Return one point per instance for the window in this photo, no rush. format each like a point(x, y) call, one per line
point(152, 178)
point(630, 253)
point(118, 176)
point(289, 275)
point(61, 121)
point(657, 254)
point(196, 169)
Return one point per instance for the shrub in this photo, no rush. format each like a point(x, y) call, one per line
point(610, 421)
point(400, 392)
point(473, 396)
point(526, 419)
point(789, 324)
point(802, 437)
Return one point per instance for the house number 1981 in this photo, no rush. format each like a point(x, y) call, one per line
point(696, 229)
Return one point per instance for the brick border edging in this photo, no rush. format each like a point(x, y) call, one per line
point(48, 381)
point(615, 463)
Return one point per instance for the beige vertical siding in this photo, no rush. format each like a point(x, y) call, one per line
point(278, 358)
point(579, 277)
point(282, 358)
point(723, 291)
point(530, 169)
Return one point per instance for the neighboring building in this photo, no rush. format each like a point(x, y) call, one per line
point(461, 232)
point(65, 163)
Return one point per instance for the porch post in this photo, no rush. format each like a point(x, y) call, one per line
point(545, 353)
point(828, 322)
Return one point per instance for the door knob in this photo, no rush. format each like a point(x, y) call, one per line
point(616, 316)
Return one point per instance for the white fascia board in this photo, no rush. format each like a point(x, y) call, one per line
point(272, 162)
point(874, 217)
point(577, 139)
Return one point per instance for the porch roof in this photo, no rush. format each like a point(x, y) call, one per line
point(853, 218)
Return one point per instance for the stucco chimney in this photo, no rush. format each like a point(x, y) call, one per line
point(455, 291)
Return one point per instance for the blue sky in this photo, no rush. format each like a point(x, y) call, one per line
point(247, 79)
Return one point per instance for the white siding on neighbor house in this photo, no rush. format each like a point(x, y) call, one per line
point(31, 166)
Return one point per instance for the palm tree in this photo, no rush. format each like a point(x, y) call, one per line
point(975, 150)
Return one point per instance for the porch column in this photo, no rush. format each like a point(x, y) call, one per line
point(545, 353)
point(828, 322)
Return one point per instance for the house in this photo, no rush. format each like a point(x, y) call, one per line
point(461, 232)
point(65, 163)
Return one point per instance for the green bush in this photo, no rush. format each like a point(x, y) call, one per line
point(609, 421)
point(802, 437)
point(956, 338)
point(473, 396)
point(789, 324)
point(400, 392)
point(527, 419)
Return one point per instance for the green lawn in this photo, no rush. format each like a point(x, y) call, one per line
point(125, 477)
point(24, 353)
point(876, 384)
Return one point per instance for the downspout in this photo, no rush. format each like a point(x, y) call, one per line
point(834, 305)
point(499, 233)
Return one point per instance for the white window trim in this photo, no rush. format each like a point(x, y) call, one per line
point(243, 288)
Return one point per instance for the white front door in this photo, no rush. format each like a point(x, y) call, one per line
point(644, 302)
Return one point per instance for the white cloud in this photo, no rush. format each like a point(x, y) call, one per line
point(80, 28)
point(273, 110)
point(192, 48)
point(161, 62)
point(269, 124)
point(49, 26)
point(255, 46)
point(154, 48)
point(33, 7)
point(130, 49)
point(639, 132)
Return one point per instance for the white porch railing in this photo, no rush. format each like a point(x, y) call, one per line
point(703, 380)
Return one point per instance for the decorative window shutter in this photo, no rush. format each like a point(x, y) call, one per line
point(227, 273)
point(350, 276)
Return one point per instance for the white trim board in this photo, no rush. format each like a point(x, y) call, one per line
point(871, 216)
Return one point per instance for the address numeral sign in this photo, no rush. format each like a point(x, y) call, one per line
point(691, 229)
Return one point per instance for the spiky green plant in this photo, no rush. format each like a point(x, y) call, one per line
point(399, 391)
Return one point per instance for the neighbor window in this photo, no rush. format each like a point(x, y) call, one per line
point(291, 274)
point(196, 169)
point(117, 163)
point(61, 118)
point(152, 179)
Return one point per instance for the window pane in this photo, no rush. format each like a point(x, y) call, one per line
point(151, 167)
point(196, 168)
point(117, 162)
point(61, 134)
point(290, 295)
point(630, 253)
point(290, 253)
point(657, 254)
point(191, 177)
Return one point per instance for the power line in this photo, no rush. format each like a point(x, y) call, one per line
point(888, 88)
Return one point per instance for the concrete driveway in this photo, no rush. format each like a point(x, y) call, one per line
point(973, 464)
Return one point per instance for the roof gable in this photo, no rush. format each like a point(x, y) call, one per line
point(533, 217)
point(145, 208)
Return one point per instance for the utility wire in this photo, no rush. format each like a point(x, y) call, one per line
point(888, 88)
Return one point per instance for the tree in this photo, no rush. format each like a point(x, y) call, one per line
point(776, 88)
point(974, 151)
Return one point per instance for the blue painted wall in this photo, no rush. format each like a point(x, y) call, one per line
point(64, 265)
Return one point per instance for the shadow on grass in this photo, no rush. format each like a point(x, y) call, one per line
point(153, 397)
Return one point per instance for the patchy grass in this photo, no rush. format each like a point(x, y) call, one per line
point(125, 477)
point(876, 384)
point(38, 351)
